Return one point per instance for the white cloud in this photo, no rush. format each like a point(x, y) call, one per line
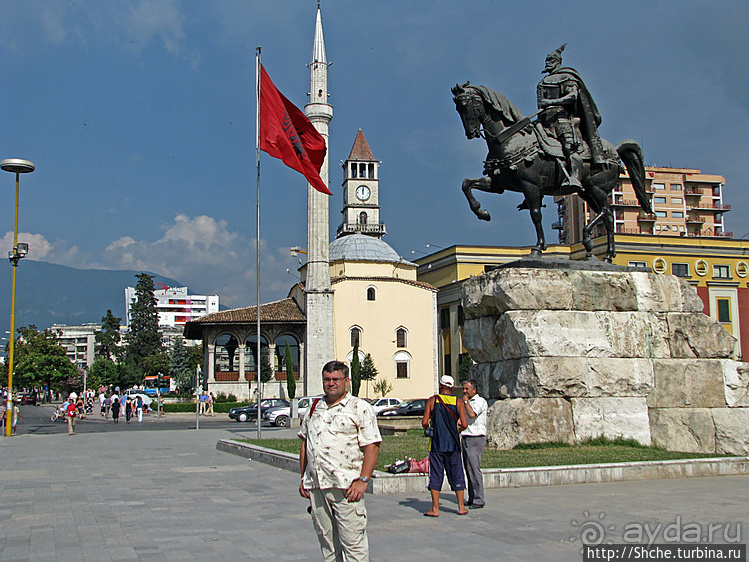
point(156, 18)
point(39, 246)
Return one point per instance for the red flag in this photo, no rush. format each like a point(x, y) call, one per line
point(286, 133)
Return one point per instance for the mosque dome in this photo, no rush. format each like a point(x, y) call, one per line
point(360, 247)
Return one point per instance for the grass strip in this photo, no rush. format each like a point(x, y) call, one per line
point(600, 450)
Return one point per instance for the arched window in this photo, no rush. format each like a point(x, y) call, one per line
point(371, 293)
point(402, 361)
point(225, 353)
point(400, 337)
point(363, 217)
point(281, 342)
point(355, 332)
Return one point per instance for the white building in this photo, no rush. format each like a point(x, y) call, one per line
point(174, 305)
point(79, 342)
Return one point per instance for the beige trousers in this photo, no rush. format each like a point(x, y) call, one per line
point(341, 526)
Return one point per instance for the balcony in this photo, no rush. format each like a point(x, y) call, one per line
point(623, 230)
point(695, 220)
point(693, 191)
point(709, 207)
point(558, 225)
point(363, 228)
point(620, 202)
point(646, 217)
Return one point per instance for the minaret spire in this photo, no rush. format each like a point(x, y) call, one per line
point(319, 348)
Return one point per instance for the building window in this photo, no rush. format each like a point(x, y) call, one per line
point(677, 201)
point(638, 264)
point(680, 269)
point(677, 214)
point(659, 200)
point(355, 336)
point(402, 365)
point(400, 337)
point(445, 319)
point(724, 311)
point(371, 293)
point(676, 187)
point(448, 365)
point(661, 214)
point(362, 218)
point(659, 186)
point(722, 271)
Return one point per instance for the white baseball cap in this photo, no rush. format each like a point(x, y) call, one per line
point(447, 380)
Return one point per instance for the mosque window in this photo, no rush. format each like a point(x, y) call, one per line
point(363, 217)
point(400, 337)
point(355, 336)
point(371, 293)
point(402, 365)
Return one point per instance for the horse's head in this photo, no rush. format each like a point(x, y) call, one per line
point(470, 107)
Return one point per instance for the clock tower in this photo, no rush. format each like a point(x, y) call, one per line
point(361, 198)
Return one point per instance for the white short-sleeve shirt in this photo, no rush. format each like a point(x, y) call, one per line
point(477, 425)
point(335, 438)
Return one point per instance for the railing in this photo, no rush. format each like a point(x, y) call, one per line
point(710, 207)
point(647, 217)
point(696, 219)
point(364, 228)
point(557, 225)
point(623, 230)
point(693, 191)
point(625, 202)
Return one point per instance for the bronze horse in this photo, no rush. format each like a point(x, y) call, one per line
point(521, 158)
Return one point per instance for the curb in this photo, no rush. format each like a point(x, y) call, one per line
point(385, 483)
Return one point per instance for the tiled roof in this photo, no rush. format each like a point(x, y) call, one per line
point(361, 150)
point(285, 310)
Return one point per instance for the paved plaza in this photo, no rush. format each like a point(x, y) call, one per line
point(136, 494)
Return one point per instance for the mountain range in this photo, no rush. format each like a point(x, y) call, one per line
point(48, 294)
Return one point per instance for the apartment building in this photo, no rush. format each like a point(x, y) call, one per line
point(175, 305)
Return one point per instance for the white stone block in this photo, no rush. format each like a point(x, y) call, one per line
point(611, 417)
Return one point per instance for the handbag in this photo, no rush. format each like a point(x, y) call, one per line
point(399, 466)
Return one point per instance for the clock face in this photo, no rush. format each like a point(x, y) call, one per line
point(362, 192)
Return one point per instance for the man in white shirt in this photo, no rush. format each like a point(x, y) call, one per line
point(474, 440)
point(340, 445)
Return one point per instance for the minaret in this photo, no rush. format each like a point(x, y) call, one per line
point(319, 347)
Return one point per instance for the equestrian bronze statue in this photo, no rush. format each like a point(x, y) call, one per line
point(558, 154)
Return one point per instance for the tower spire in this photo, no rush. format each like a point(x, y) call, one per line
point(318, 294)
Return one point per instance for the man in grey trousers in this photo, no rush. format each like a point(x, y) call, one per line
point(474, 440)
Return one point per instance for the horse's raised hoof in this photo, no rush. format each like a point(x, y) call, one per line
point(484, 215)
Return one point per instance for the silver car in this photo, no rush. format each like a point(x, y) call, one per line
point(280, 416)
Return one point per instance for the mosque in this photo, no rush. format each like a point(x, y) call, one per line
point(356, 291)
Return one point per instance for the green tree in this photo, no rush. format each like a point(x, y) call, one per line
point(179, 366)
point(108, 338)
point(40, 360)
point(103, 371)
point(355, 370)
point(144, 339)
point(289, 364)
point(266, 373)
point(382, 387)
point(464, 369)
point(368, 370)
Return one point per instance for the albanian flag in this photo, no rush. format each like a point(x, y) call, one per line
point(286, 133)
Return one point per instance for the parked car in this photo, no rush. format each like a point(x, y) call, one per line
point(280, 416)
point(133, 393)
point(379, 404)
point(27, 398)
point(408, 408)
point(245, 413)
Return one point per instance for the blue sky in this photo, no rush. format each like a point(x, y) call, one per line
point(140, 118)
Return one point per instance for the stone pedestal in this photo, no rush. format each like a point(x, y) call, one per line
point(577, 350)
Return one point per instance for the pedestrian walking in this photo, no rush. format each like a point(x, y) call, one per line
point(209, 401)
point(128, 408)
point(116, 408)
point(72, 411)
point(340, 445)
point(15, 417)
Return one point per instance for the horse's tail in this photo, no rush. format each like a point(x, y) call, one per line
point(631, 154)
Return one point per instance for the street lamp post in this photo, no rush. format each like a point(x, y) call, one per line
point(18, 167)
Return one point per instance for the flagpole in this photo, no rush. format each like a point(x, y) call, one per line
point(258, 361)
